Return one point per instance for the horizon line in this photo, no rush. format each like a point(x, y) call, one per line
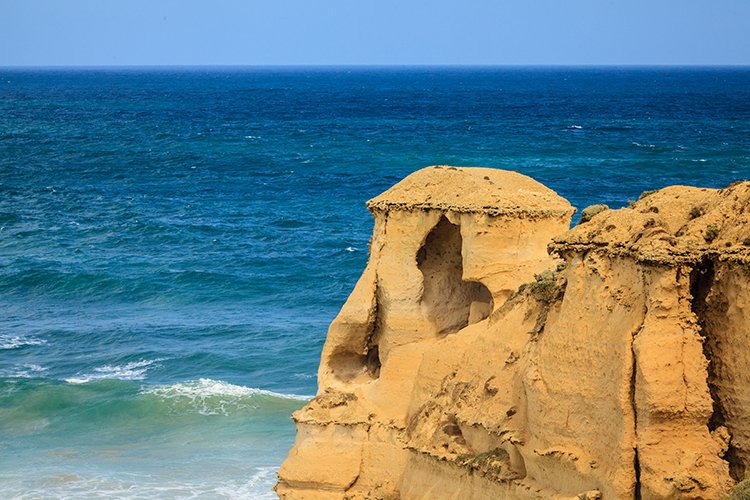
point(364, 66)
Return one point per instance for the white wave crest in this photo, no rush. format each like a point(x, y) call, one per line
point(14, 341)
point(206, 387)
point(24, 371)
point(135, 370)
point(258, 487)
point(213, 397)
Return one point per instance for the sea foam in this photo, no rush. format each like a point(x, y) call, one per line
point(15, 342)
point(24, 371)
point(215, 397)
point(206, 387)
point(138, 486)
point(135, 370)
point(258, 486)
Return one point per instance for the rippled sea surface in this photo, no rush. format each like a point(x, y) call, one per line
point(174, 243)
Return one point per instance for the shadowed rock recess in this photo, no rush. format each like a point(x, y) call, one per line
point(489, 352)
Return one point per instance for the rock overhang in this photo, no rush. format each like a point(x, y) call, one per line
point(473, 190)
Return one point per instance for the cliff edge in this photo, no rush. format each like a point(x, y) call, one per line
point(489, 352)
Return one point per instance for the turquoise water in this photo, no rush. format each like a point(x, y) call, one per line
point(174, 243)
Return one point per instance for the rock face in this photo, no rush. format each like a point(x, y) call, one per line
point(470, 363)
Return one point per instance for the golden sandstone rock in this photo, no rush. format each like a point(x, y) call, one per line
point(470, 363)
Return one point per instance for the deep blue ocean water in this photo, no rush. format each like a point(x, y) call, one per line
point(174, 242)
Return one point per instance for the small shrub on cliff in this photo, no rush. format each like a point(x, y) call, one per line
point(493, 463)
point(544, 288)
point(647, 193)
point(711, 233)
point(589, 212)
point(741, 491)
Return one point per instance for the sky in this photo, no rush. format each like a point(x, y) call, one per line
point(369, 32)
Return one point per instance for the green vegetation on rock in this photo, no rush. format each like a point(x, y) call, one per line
point(711, 233)
point(544, 288)
point(589, 212)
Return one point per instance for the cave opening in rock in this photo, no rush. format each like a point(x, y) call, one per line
point(449, 302)
point(359, 362)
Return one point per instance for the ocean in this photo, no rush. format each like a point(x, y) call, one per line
point(174, 242)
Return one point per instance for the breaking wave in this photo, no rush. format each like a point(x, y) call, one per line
point(15, 341)
point(215, 397)
point(135, 370)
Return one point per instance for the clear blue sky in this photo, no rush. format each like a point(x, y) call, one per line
point(280, 32)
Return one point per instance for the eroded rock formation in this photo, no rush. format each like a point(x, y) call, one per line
point(487, 352)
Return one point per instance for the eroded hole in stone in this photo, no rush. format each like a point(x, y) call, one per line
point(355, 361)
point(481, 304)
point(450, 302)
point(349, 366)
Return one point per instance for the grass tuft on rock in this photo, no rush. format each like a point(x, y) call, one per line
point(647, 193)
point(494, 464)
point(544, 288)
point(711, 233)
point(589, 212)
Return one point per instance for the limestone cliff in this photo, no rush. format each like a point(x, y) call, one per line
point(488, 352)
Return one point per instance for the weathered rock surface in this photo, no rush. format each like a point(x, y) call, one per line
point(470, 363)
